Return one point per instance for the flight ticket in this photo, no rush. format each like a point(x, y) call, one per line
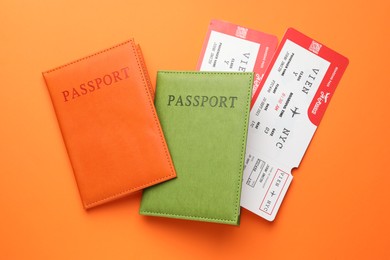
point(289, 99)
point(231, 47)
point(286, 110)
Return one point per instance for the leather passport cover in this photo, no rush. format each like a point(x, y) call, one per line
point(204, 116)
point(104, 106)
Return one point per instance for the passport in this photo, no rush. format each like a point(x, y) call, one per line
point(204, 117)
point(104, 106)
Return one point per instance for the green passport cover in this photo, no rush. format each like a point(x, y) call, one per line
point(204, 117)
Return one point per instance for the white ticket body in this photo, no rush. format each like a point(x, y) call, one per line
point(286, 110)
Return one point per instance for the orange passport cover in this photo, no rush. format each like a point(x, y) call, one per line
point(104, 106)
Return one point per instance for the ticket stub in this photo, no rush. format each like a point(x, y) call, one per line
point(230, 47)
point(287, 108)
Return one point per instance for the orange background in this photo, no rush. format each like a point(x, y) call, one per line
point(337, 206)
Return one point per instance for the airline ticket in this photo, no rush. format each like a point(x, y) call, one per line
point(289, 99)
point(286, 110)
point(230, 47)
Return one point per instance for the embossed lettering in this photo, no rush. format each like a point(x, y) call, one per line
point(202, 101)
point(96, 83)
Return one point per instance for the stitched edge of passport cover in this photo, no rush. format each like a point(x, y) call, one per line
point(235, 220)
point(145, 71)
point(149, 91)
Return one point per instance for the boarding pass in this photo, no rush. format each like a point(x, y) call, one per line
point(286, 111)
point(231, 47)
